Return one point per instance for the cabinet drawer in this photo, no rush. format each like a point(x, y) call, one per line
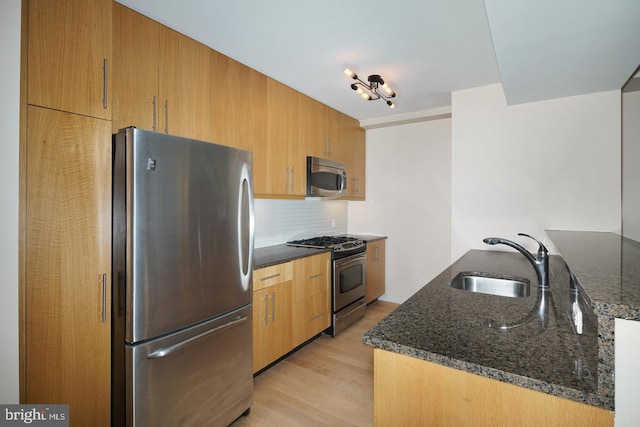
point(272, 275)
point(312, 276)
point(311, 316)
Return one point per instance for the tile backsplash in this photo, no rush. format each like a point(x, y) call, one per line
point(280, 221)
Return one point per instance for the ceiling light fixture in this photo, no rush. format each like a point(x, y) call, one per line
point(376, 88)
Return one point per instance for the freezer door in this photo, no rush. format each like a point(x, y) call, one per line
point(189, 232)
point(201, 376)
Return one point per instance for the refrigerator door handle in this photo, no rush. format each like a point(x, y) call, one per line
point(246, 215)
point(165, 351)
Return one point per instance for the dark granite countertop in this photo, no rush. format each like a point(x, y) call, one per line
point(607, 267)
point(367, 238)
point(272, 255)
point(456, 328)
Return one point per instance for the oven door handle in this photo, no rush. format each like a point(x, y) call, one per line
point(356, 259)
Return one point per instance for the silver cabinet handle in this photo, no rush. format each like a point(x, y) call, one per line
point(286, 178)
point(162, 352)
point(104, 83)
point(377, 253)
point(155, 112)
point(314, 317)
point(273, 308)
point(314, 276)
point(266, 309)
point(166, 116)
point(293, 178)
point(273, 276)
point(104, 298)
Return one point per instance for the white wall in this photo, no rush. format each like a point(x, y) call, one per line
point(627, 372)
point(9, 181)
point(408, 199)
point(630, 169)
point(530, 167)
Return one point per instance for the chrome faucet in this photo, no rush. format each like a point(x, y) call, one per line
point(540, 262)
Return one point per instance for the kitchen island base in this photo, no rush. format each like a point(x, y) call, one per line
point(410, 391)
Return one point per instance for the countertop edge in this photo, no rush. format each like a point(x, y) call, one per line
point(604, 266)
point(492, 373)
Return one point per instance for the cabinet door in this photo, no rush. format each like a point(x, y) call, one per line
point(354, 152)
point(313, 127)
point(312, 275)
point(184, 86)
point(271, 324)
point(69, 45)
point(238, 97)
point(275, 175)
point(375, 270)
point(311, 297)
point(68, 263)
point(135, 70)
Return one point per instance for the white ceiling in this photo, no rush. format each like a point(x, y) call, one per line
point(424, 49)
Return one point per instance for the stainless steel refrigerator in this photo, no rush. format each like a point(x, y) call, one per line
point(182, 269)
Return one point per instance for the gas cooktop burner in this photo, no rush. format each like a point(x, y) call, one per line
point(337, 243)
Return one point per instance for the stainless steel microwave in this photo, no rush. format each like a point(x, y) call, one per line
point(325, 178)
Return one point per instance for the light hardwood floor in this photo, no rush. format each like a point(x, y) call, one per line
point(329, 382)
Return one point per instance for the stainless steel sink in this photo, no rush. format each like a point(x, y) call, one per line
point(492, 284)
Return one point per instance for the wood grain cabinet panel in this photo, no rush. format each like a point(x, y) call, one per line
point(280, 163)
point(375, 269)
point(161, 78)
point(409, 391)
point(354, 155)
point(311, 297)
point(135, 67)
point(184, 86)
point(272, 296)
point(69, 55)
point(68, 264)
point(238, 97)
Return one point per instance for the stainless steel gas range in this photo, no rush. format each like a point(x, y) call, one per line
point(349, 285)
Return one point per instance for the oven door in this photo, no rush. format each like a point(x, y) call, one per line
point(349, 280)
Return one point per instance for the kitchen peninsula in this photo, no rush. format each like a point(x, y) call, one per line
point(441, 354)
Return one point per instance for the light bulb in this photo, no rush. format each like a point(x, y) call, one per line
point(365, 95)
point(349, 72)
point(391, 105)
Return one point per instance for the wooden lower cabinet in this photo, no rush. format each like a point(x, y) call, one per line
point(291, 304)
point(411, 392)
point(271, 313)
point(67, 262)
point(375, 270)
point(311, 297)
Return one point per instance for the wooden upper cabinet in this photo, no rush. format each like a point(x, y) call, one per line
point(354, 155)
point(68, 264)
point(135, 67)
point(280, 163)
point(69, 55)
point(184, 86)
point(238, 98)
point(161, 78)
point(313, 130)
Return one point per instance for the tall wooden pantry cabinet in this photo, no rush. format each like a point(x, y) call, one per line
point(66, 207)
